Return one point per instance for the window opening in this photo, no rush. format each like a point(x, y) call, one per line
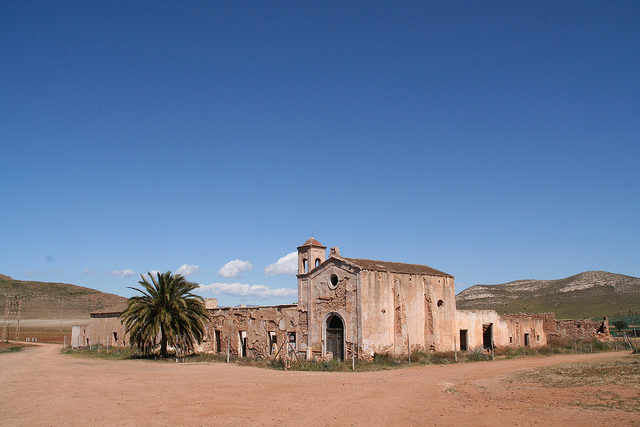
point(273, 342)
point(333, 281)
point(317, 262)
point(526, 340)
point(292, 339)
point(440, 302)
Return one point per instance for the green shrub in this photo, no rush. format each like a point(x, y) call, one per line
point(478, 353)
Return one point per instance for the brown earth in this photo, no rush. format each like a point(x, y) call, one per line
point(49, 300)
point(40, 386)
point(43, 335)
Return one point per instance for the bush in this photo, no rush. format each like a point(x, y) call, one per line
point(385, 359)
point(620, 325)
point(478, 353)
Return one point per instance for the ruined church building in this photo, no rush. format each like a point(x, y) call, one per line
point(350, 307)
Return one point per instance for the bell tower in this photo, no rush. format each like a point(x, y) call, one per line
point(310, 255)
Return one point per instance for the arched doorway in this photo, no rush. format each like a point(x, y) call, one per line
point(335, 337)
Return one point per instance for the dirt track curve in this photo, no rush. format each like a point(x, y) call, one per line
point(40, 386)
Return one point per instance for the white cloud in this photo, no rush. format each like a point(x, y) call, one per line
point(187, 270)
point(88, 272)
point(244, 289)
point(122, 273)
point(288, 264)
point(154, 273)
point(234, 268)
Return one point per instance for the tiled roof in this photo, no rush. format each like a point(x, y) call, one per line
point(118, 308)
point(312, 242)
point(395, 267)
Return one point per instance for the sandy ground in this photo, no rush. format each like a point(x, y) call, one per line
point(39, 386)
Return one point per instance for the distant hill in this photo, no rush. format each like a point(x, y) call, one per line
point(585, 295)
point(43, 300)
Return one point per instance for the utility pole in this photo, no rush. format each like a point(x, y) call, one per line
point(5, 338)
point(13, 311)
point(61, 310)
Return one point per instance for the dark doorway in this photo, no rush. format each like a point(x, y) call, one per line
point(217, 334)
point(487, 335)
point(273, 342)
point(464, 346)
point(243, 343)
point(526, 340)
point(335, 337)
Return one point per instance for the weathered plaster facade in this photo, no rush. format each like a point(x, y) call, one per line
point(105, 328)
point(486, 328)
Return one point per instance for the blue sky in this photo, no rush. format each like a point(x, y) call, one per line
point(495, 141)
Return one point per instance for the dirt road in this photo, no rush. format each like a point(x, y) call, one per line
point(39, 386)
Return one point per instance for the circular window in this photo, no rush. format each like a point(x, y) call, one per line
point(333, 281)
point(440, 302)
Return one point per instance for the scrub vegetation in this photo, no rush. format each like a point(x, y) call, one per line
point(379, 362)
point(601, 374)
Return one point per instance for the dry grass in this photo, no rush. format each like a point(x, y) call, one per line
point(612, 384)
point(11, 347)
point(625, 371)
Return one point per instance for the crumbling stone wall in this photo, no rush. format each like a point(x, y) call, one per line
point(256, 322)
point(583, 329)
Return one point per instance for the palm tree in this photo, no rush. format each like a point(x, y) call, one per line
point(166, 309)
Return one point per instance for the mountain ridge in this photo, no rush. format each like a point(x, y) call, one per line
point(586, 294)
point(52, 300)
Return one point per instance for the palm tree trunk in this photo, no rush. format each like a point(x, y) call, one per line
point(163, 343)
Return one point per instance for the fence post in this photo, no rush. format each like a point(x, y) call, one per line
point(353, 357)
point(455, 348)
point(228, 338)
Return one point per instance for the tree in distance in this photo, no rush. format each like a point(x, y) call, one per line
point(620, 325)
point(166, 309)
